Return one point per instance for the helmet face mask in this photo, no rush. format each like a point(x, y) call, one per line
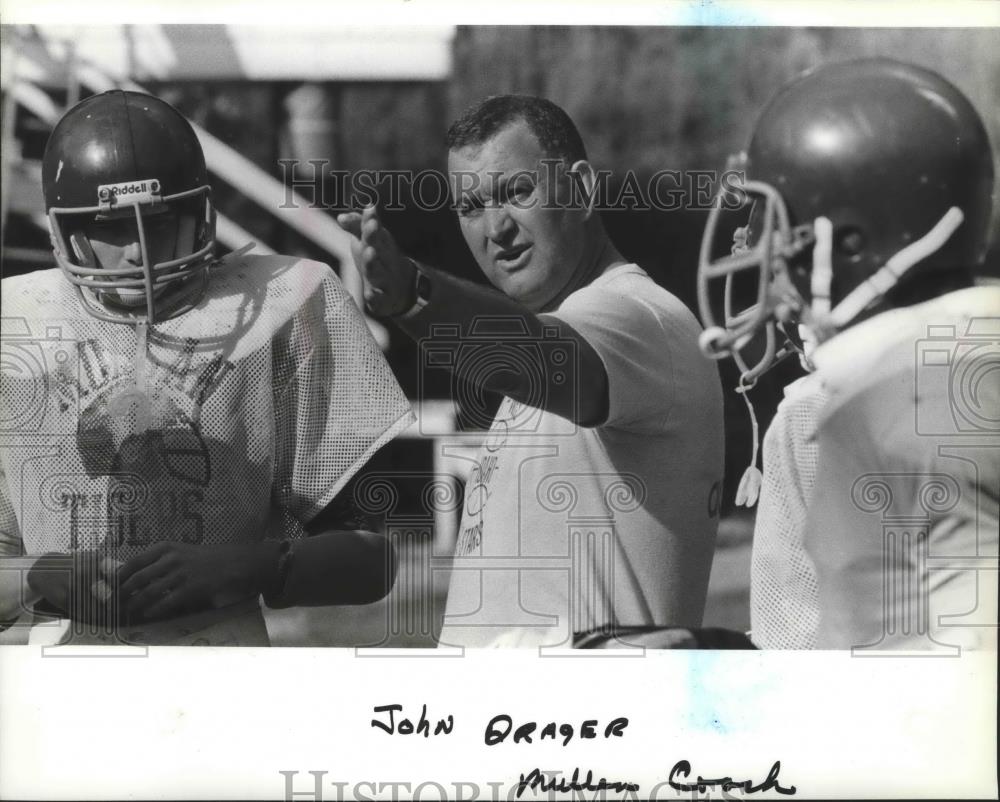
point(758, 269)
point(862, 175)
point(124, 172)
point(166, 261)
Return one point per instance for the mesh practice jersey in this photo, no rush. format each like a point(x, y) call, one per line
point(902, 527)
point(267, 396)
point(783, 605)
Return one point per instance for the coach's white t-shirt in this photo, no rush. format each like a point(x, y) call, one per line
point(567, 529)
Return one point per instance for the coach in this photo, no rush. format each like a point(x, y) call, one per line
point(594, 501)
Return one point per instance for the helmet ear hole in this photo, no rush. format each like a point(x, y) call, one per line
point(850, 242)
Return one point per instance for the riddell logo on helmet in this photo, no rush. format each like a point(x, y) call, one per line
point(131, 192)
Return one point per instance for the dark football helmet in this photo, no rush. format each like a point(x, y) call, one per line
point(126, 155)
point(859, 176)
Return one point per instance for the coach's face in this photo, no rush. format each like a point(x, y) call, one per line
point(529, 247)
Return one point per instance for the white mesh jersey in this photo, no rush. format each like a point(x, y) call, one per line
point(904, 520)
point(267, 396)
point(783, 602)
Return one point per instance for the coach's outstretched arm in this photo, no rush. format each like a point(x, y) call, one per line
point(391, 290)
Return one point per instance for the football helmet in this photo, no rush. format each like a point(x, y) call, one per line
point(858, 175)
point(131, 161)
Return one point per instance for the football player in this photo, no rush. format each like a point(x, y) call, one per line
point(175, 424)
point(869, 186)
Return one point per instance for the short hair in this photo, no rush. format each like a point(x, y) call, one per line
point(550, 124)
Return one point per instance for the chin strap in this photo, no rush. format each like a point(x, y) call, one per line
point(233, 255)
point(142, 411)
point(825, 321)
point(809, 343)
point(136, 396)
point(749, 487)
point(822, 266)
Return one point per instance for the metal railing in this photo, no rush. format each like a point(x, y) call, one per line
point(28, 64)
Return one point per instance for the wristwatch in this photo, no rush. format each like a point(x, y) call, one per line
point(421, 292)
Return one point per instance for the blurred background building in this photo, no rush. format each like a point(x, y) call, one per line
point(380, 99)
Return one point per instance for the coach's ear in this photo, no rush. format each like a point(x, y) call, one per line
point(584, 186)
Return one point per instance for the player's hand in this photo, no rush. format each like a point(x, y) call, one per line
point(388, 274)
point(172, 579)
point(79, 584)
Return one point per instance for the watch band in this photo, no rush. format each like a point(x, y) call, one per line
point(421, 292)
